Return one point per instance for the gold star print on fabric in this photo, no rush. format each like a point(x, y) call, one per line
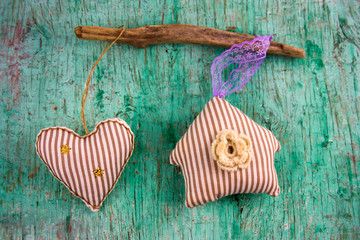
point(99, 172)
point(65, 149)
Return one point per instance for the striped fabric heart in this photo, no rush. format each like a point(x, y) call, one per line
point(209, 172)
point(88, 166)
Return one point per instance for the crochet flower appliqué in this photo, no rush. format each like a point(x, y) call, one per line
point(231, 150)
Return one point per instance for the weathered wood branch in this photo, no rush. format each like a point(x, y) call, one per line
point(180, 33)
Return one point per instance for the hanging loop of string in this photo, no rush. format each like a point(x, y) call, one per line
point(86, 91)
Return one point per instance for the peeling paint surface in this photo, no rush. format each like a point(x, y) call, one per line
point(311, 105)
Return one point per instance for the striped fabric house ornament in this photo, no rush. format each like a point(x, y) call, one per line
point(225, 152)
point(89, 166)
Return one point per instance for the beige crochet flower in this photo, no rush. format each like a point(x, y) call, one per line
point(231, 150)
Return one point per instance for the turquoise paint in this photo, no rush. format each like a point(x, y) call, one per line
point(311, 105)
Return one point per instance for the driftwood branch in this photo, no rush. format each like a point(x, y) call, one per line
point(179, 33)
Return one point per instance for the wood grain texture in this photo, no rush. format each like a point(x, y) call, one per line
point(311, 105)
point(179, 33)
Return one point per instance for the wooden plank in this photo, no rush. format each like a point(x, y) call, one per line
point(311, 105)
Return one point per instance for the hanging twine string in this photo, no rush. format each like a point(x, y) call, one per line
point(86, 91)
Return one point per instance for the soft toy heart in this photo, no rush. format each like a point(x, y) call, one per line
point(88, 166)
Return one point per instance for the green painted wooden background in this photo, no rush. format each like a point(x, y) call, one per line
point(311, 105)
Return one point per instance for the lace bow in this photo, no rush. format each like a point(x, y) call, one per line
point(249, 56)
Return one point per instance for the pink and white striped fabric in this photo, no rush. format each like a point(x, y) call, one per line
point(204, 180)
point(88, 166)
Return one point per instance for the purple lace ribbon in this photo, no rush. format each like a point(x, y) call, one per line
point(249, 56)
